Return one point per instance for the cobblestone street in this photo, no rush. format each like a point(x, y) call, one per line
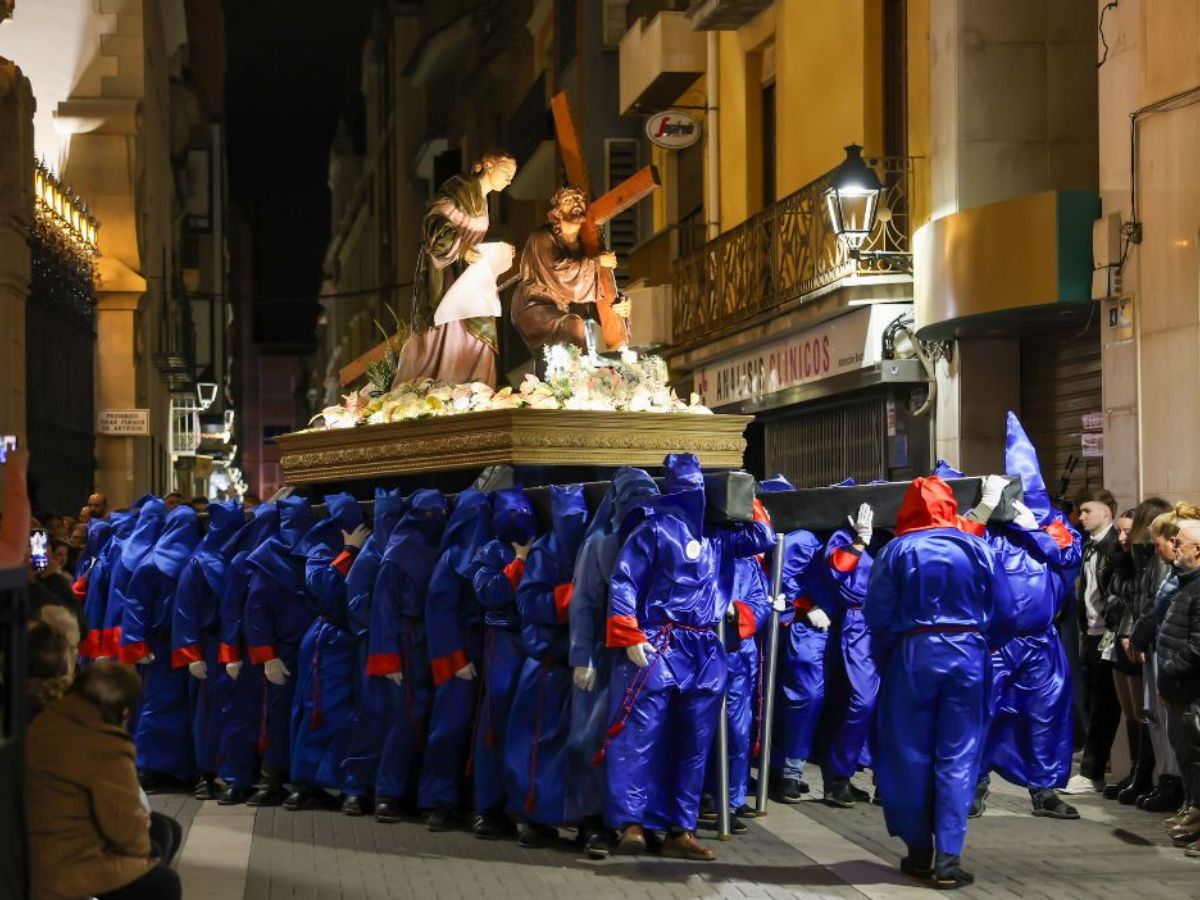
point(805, 851)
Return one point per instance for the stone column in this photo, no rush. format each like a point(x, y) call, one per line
point(16, 216)
point(975, 391)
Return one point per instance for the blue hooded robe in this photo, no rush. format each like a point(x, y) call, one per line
point(275, 618)
point(585, 783)
point(664, 591)
point(941, 595)
point(148, 515)
point(496, 574)
point(536, 742)
point(194, 628)
point(326, 675)
point(242, 722)
point(163, 736)
point(99, 533)
point(372, 701)
point(453, 628)
point(396, 641)
point(95, 599)
point(1031, 736)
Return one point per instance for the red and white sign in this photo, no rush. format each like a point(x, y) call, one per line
point(672, 130)
point(851, 341)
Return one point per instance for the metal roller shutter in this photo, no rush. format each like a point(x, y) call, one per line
point(1060, 382)
point(819, 447)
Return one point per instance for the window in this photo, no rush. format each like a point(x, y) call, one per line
point(768, 143)
point(614, 22)
point(565, 19)
point(621, 160)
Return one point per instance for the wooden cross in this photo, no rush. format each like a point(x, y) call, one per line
point(599, 212)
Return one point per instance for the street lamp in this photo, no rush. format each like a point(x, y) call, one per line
point(852, 200)
point(206, 393)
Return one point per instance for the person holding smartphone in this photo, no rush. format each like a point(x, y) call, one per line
point(14, 529)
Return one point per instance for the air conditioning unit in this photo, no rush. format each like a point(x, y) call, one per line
point(650, 316)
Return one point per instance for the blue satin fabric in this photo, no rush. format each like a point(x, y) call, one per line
point(536, 742)
point(585, 782)
point(1031, 733)
point(453, 628)
point(851, 679)
point(163, 733)
point(941, 595)
point(371, 701)
point(139, 544)
point(244, 706)
point(99, 533)
point(95, 601)
point(396, 641)
point(676, 600)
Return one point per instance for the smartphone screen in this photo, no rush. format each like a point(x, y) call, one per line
point(38, 553)
point(7, 442)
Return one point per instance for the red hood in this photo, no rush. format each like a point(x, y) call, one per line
point(929, 503)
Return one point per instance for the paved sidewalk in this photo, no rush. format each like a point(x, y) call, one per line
point(805, 851)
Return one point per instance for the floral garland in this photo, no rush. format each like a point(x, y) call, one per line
point(573, 381)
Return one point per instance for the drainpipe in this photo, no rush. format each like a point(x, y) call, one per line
point(713, 146)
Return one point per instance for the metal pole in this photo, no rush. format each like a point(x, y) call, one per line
point(722, 798)
point(772, 651)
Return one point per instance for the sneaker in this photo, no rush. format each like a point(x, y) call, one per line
point(746, 812)
point(1081, 784)
point(1051, 806)
point(1189, 816)
point(737, 826)
point(708, 809)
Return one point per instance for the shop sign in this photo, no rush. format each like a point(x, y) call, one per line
point(123, 422)
point(844, 344)
point(672, 130)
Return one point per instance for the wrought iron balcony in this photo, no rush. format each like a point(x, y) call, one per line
point(786, 252)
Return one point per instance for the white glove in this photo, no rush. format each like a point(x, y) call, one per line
point(1024, 517)
point(232, 669)
point(818, 620)
point(145, 660)
point(357, 537)
point(638, 654)
point(276, 672)
point(198, 669)
point(993, 490)
point(467, 672)
point(863, 526)
point(780, 604)
point(585, 678)
point(396, 678)
point(521, 550)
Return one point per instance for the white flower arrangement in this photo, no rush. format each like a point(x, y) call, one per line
point(574, 381)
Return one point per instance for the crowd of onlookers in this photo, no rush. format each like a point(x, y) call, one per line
point(1138, 604)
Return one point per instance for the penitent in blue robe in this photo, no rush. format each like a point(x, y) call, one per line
point(942, 597)
point(95, 598)
point(148, 515)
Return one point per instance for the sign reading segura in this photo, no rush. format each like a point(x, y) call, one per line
point(123, 422)
point(672, 130)
point(851, 341)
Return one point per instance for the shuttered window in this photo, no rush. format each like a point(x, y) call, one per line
point(621, 161)
point(820, 447)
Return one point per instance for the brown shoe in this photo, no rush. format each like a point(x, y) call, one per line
point(685, 846)
point(1190, 816)
point(632, 841)
point(1192, 850)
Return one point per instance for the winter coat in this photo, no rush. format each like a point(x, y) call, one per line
point(1179, 643)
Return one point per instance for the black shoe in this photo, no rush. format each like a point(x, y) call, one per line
point(859, 795)
point(953, 879)
point(916, 869)
point(1164, 798)
point(1182, 839)
point(1113, 791)
point(837, 794)
point(153, 783)
point(737, 826)
point(355, 805)
point(534, 836)
point(1129, 795)
point(596, 844)
point(1051, 806)
point(267, 796)
point(876, 800)
point(309, 798)
point(207, 788)
point(387, 810)
point(233, 795)
point(746, 812)
point(442, 819)
point(708, 809)
point(789, 790)
point(979, 801)
point(492, 826)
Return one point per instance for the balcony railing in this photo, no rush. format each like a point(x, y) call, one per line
point(785, 252)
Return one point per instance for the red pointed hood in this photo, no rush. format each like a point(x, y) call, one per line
point(929, 503)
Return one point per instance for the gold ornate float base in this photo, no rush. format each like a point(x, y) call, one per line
point(547, 437)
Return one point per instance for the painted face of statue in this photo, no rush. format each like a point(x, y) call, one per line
point(501, 174)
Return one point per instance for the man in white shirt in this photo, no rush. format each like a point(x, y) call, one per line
point(1102, 711)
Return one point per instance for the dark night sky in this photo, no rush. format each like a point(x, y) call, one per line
point(292, 66)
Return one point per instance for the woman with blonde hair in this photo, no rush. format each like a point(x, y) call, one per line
point(456, 221)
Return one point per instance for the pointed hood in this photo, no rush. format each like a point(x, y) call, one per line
point(1020, 458)
point(569, 512)
point(295, 519)
point(141, 501)
point(224, 521)
point(849, 482)
point(426, 514)
point(261, 528)
point(144, 536)
point(929, 503)
point(513, 520)
point(943, 469)
point(178, 541)
point(629, 489)
point(325, 537)
point(389, 509)
point(683, 491)
point(468, 528)
point(774, 484)
point(99, 532)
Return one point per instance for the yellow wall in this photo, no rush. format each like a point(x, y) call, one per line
point(919, 129)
